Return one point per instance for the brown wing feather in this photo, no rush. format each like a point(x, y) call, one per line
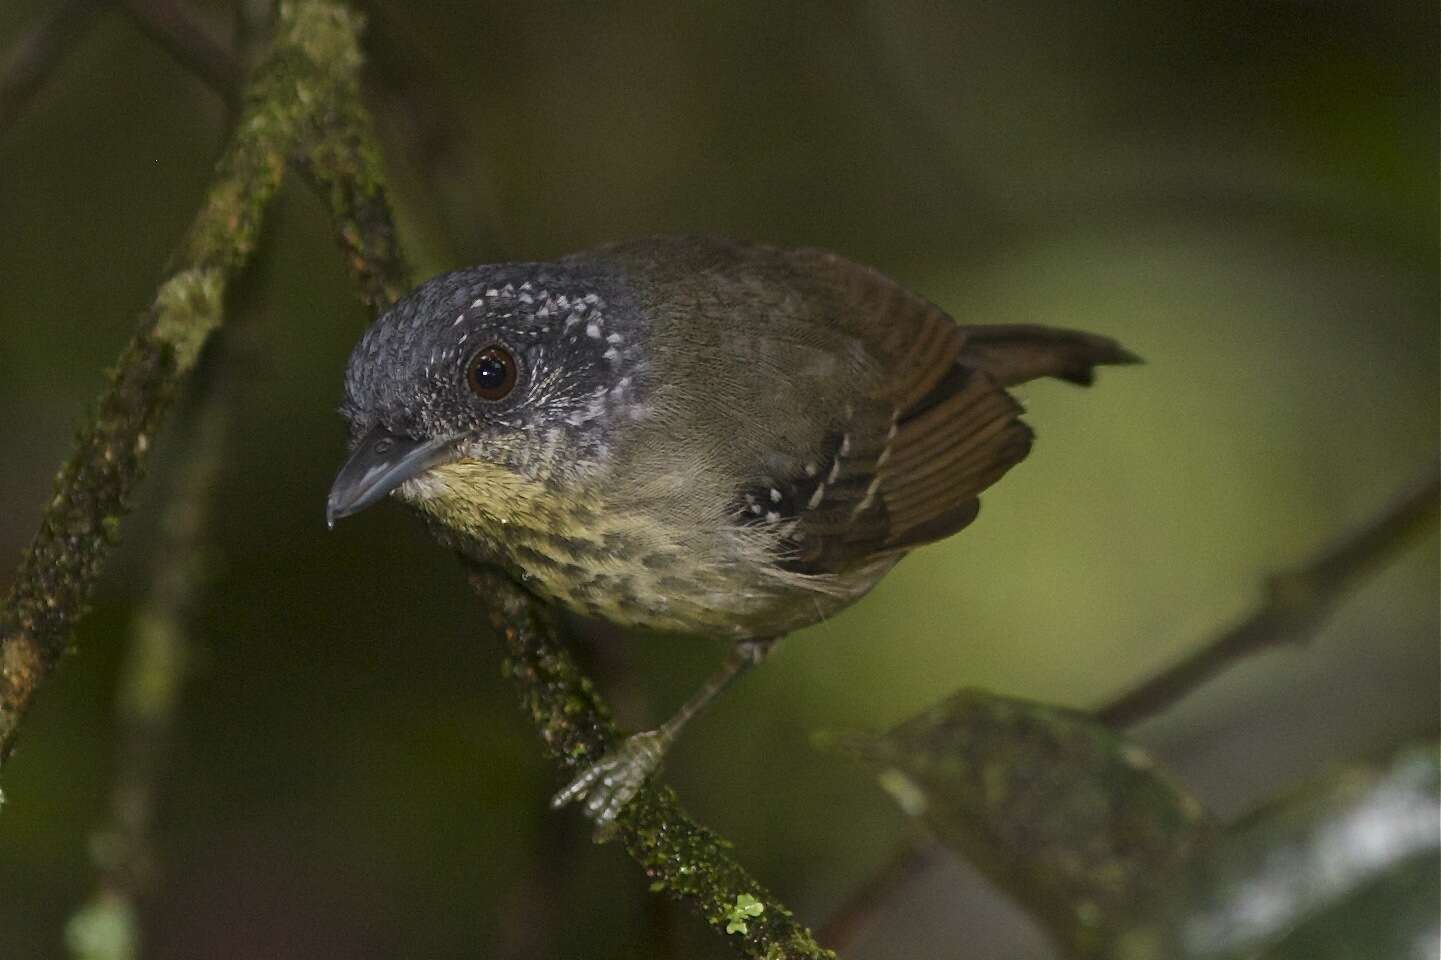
point(937, 429)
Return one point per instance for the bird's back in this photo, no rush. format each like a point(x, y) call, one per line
point(807, 420)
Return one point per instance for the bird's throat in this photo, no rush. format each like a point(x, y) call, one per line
point(485, 501)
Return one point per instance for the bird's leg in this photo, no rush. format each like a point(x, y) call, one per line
point(610, 783)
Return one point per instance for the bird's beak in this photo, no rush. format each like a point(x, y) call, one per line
point(381, 462)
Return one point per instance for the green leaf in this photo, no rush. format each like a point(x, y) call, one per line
point(746, 906)
point(1069, 818)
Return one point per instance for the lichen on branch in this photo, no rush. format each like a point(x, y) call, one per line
point(303, 107)
point(681, 858)
point(288, 107)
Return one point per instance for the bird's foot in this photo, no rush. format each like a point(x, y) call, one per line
point(608, 785)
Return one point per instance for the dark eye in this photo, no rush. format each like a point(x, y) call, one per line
point(491, 373)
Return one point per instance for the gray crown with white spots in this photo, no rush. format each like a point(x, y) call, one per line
point(573, 334)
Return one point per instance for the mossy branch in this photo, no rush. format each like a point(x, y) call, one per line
point(156, 661)
point(288, 111)
point(682, 859)
point(1297, 600)
point(303, 106)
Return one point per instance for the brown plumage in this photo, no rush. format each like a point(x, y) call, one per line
point(876, 417)
point(690, 434)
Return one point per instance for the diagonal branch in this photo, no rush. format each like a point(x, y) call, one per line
point(313, 64)
point(304, 105)
point(1296, 602)
point(681, 858)
point(32, 58)
point(156, 662)
point(167, 23)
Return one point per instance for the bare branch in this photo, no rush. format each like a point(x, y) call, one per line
point(1296, 602)
point(338, 159)
point(149, 690)
point(314, 63)
point(866, 901)
point(37, 52)
point(177, 32)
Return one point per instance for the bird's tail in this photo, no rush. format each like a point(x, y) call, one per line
point(1016, 353)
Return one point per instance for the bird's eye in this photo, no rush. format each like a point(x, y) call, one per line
point(491, 373)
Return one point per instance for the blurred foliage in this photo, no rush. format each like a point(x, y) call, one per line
point(1052, 806)
point(1245, 194)
point(1349, 868)
point(1075, 822)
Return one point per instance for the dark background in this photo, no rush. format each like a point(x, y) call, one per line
point(1244, 193)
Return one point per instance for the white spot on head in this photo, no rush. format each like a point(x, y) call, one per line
point(612, 354)
point(775, 495)
point(772, 516)
point(592, 331)
point(614, 338)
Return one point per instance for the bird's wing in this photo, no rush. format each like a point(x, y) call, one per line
point(907, 456)
point(847, 415)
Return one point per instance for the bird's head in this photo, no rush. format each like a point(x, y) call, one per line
point(485, 388)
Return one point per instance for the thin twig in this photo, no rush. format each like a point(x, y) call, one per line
point(32, 58)
point(1297, 600)
point(866, 901)
point(339, 159)
point(313, 65)
point(177, 32)
point(681, 858)
point(149, 689)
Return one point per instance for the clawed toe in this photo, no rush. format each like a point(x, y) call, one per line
point(609, 785)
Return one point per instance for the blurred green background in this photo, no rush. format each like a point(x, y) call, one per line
point(1244, 193)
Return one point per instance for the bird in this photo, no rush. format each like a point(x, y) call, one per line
point(689, 434)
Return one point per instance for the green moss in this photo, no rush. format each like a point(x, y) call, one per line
point(305, 92)
point(680, 858)
point(746, 907)
point(188, 308)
